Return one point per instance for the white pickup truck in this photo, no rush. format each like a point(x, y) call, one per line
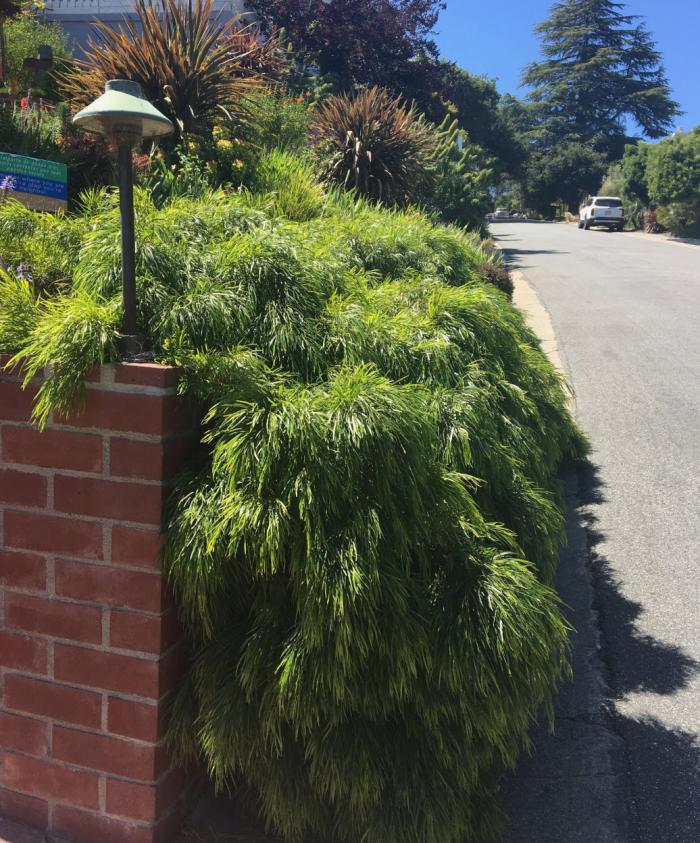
point(602, 210)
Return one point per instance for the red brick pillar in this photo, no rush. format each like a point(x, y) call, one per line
point(89, 644)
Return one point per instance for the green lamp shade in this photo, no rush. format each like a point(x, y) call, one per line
point(121, 110)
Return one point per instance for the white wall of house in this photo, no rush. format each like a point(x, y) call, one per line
point(77, 16)
point(66, 9)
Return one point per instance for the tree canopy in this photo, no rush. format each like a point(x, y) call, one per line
point(8, 9)
point(673, 169)
point(475, 103)
point(600, 67)
point(366, 42)
point(564, 174)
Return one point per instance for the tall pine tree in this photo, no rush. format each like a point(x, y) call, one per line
point(600, 68)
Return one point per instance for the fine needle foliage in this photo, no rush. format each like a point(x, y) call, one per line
point(363, 548)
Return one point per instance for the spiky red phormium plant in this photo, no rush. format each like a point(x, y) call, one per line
point(190, 63)
point(374, 143)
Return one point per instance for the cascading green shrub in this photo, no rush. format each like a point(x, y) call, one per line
point(363, 548)
point(288, 181)
point(18, 311)
point(44, 243)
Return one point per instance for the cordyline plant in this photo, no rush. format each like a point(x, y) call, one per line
point(361, 551)
point(190, 64)
point(375, 144)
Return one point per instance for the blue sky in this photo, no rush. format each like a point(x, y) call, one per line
point(494, 38)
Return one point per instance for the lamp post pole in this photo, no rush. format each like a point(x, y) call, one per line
point(131, 344)
point(122, 115)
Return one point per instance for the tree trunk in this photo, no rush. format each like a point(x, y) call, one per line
point(3, 53)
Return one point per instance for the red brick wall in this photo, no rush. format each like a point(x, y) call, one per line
point(89, 643)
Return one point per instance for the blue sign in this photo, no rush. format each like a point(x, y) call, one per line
point(36, 183)
point(37, 186)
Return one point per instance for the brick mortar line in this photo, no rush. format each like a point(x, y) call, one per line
point(71, 516)
point(133, 435)
point(71, 765)
point(50, 473)
point(102, 793)
point(107, 456)
point(99, 563)
point(113, 387)
point(122, 696)
point(140, 655)
point(132, 389)
point(130, 435)
point(51, 640)
point(64, 600)
point(85, 730)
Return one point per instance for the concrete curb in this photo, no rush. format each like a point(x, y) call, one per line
point(665, 238)
point(658, 238)
point(536, 317)
point(573, 788)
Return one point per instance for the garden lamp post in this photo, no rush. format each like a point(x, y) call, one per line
point(123, 116)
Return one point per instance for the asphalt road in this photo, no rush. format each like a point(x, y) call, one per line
point(626, 312)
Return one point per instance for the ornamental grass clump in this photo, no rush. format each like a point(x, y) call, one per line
point(362, 550)
point(193, 65)
point(375, 144)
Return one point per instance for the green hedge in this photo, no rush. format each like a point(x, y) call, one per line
point(363, 549)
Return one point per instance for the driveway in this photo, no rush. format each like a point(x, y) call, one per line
point(626, 312)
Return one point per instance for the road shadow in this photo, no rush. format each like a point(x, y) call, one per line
point(513, 253)
point(642, 663)
point(602, 776)
point(664, 763)
point(599, 777)
point(516, 258)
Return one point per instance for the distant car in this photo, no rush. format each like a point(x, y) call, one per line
point(517, 215)
point(602, 210)
point(501, 214)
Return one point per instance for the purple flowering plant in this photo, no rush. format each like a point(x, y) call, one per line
point(23, 272)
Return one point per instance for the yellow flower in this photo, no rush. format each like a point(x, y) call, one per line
point(224, 145)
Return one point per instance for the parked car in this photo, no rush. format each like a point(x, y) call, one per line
point(602, 210)
point(501, 214)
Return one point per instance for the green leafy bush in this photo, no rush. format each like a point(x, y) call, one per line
point(34, 133)
point(667, 176)
point(457, 190)
point(18, 314)
point(276, 120)
point(23, 37)
point(681, 218)
point(363, 550)
point(50, 134)
point(39, 242)
point(177, 172)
